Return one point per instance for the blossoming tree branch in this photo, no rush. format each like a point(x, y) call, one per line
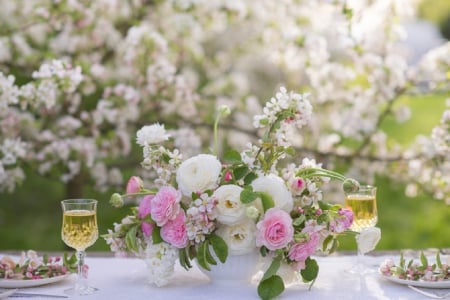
point(78, 79)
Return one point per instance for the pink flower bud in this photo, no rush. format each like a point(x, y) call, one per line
point(228, 176)
point(134, 185)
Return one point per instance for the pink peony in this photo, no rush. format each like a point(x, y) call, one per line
point(145, 206)
point(174, 232)
point(147, 228)
point(343, 221)
point(165, 205)
point(275, 230)
point(301, 251)
point(134, 185)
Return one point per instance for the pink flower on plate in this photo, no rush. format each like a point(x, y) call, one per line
point(301, 251)
point(144, 208)
point(343, 221)
point(174, 232)
point(275, 230)
point(134, 185)
point(165, 205)
point(147, 228)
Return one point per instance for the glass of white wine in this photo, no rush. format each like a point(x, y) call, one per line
point(80, 231)
point(363, 203)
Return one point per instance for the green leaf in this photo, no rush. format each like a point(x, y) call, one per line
point(240, 172)
point(402, 261)
point(423, 260)
point(324, 206)
point(209, 258)
point(247, 195)
point(219, 247)
point(290, 151)
point(311, 270)
point(266, 200)
point(299, 221)
point(130, 239)
point(271, 287)
point(184, 259)
point(326, 242)
point(232, 157)
point(438, 260)
point(273, 268)
point(201, 256)
point(156, 235)
point(249, 178)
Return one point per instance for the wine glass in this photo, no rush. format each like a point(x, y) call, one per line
point(79, 231)
point(363, 204)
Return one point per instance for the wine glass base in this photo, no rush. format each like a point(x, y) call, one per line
point(360, 269)
point(83, 291)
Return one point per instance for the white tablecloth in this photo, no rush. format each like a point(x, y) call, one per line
point(124, 278)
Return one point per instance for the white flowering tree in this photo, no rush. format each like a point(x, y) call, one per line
point(79, 78)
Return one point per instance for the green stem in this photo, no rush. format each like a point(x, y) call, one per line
point(142, 192)
point(311, 172)
point(216, 140)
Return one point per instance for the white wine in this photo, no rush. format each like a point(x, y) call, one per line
point(79, 229)
point(364, 209)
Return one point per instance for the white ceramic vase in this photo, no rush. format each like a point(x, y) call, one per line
point(238, 269)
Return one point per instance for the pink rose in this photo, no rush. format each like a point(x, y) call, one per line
point(275, 230)
point(174, 232)
point(134, 185)
point(343, 221)
point(165, 205)
point(145, 206)
point(147, 228)
point(301, 251)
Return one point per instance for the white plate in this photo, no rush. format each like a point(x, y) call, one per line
point(20, 283)
point(444, 284)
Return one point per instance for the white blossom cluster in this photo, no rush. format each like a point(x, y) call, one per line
point(121, 64)
point(160, 259)
point(200, 218)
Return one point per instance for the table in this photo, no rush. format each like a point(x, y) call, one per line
point(124, 278)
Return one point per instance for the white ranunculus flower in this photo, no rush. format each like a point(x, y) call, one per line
point(367, 239)
point(240, 237)
point(229, 207)
point(275, 187)
point(198, 174)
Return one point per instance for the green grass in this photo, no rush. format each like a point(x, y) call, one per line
point(435, 11)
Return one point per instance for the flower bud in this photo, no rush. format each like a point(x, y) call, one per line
point(252, 212)
point(134, 185)
point(350, 185)
point(228, 176)
point(116, 200)
point(224, 110)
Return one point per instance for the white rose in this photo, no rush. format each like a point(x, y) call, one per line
point(367, 239)
point(229, 207)
point(240, 238)
point(151, 134)
point(198, 173)
point(275, 187)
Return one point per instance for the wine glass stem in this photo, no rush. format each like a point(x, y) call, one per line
point(360, 259)
point(82, 276)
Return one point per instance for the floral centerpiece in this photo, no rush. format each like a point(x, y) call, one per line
point(205, 208)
